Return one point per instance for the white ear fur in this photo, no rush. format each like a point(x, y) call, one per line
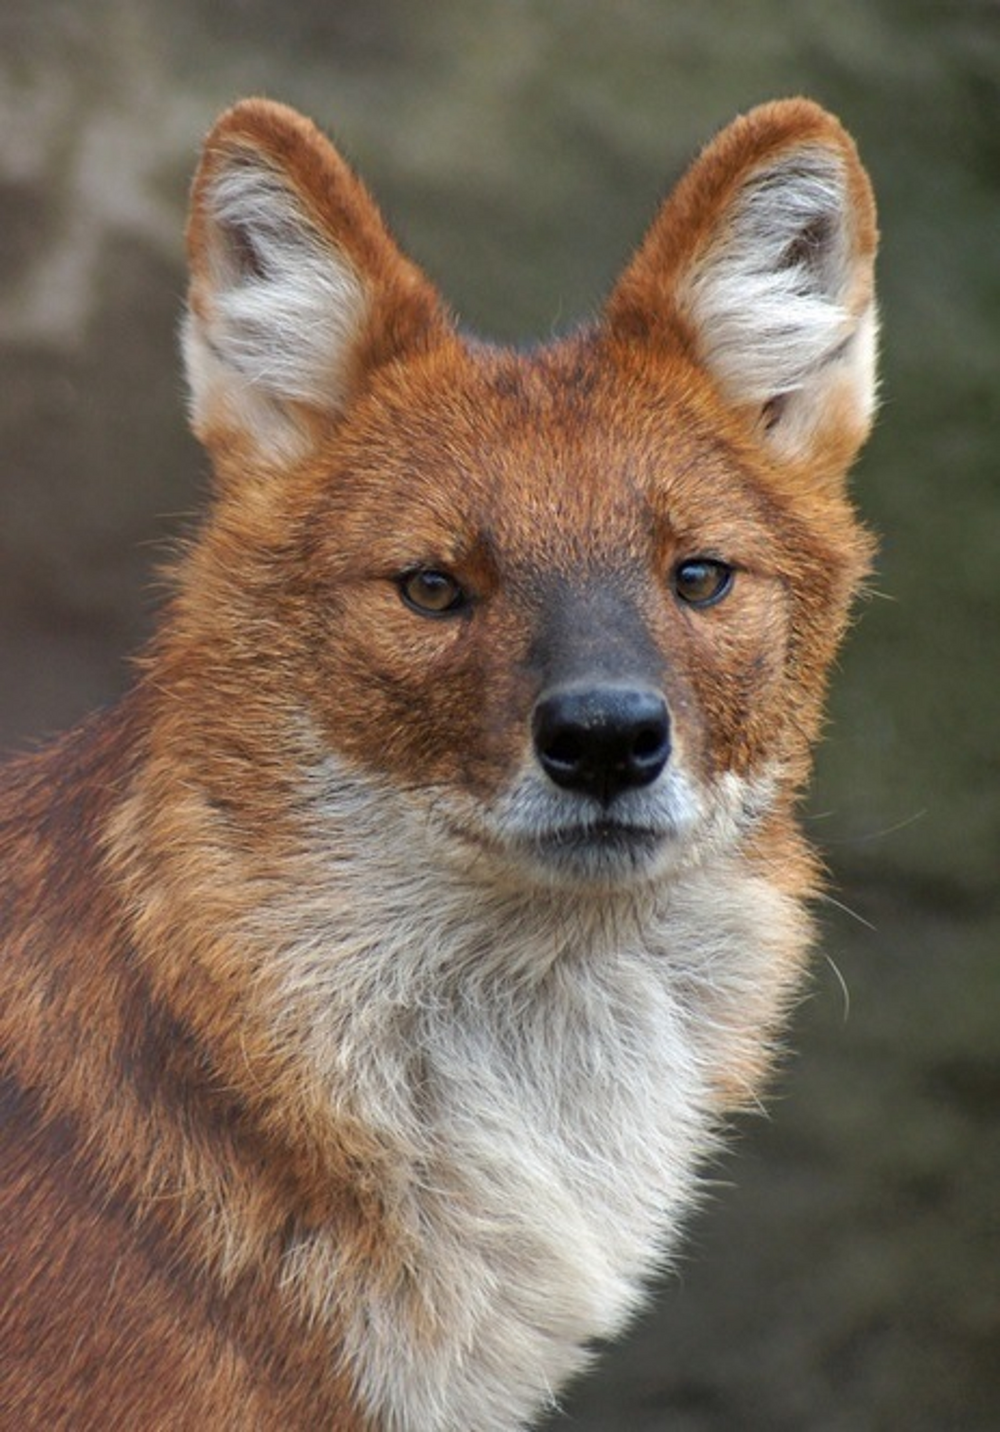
point(774, 300)
point(274, 314)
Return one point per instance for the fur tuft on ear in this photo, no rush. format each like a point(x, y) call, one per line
point(296, 285)
point(766, 297)
point(273, 322)
point(762, 261)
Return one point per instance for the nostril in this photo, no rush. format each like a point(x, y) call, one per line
point(565, 748)
point(649, 742)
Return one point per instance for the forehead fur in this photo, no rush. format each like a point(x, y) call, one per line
point(447, 451)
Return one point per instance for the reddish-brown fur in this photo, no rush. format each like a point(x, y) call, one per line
point(162, 1142)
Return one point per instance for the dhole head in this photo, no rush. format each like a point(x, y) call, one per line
point(574, 607)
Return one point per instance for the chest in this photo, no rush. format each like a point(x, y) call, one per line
point(550, 1152)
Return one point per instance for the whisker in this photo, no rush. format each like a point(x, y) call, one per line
point(829, 899)
point(845, 991)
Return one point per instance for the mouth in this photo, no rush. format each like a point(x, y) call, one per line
point(611, 836)
point(603, 850)
point(600, 851)
point(547, 837)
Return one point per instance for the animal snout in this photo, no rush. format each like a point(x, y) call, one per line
point(601, 740)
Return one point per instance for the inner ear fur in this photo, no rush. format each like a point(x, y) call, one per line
point(760, 265)
point(297, 289)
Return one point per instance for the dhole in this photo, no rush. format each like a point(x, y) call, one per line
point(376, 974)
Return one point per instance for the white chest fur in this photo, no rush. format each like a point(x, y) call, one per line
point(562, 1146)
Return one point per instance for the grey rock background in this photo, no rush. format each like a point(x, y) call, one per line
point(845, 1273)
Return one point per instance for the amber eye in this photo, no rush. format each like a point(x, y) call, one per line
point(431, 593)
point(702, 581)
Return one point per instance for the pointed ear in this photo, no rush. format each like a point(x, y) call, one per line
point(761, 264)
point(297, 289)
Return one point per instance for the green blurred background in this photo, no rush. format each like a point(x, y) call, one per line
point(845, 1273)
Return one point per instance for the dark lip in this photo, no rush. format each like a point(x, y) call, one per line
point(596, 848)
point(599, 835)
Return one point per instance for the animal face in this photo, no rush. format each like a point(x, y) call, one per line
point(575, 603)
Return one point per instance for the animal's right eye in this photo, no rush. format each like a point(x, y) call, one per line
point(702, 581)
point(431, 593)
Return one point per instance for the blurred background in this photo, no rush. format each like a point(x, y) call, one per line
point(844, 1273)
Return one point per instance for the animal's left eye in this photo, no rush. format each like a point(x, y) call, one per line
point(702, 581)
point(431, 593)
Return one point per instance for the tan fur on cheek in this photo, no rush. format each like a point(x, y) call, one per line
point(433, 696)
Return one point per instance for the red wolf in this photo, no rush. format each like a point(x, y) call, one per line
point(376, 974)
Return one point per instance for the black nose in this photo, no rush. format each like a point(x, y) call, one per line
point(601, 740)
